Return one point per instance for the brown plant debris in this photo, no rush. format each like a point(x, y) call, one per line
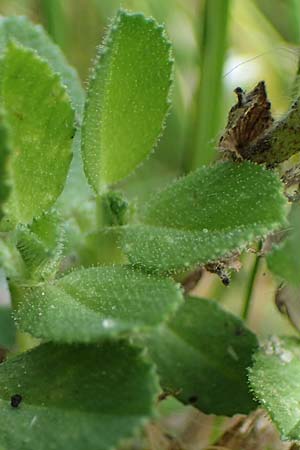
point(248, 120)
point(253, 432)
point(251, 133)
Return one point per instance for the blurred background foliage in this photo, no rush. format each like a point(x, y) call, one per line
point(218, 45)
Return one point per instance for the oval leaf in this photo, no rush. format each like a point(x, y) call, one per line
point(205, 216)
point(21, 30)
point(202, 356)
point(128, 99)
point(41, 120)
point(24, 32)
point(94, 303)
point(79, 397)
point(275, 380)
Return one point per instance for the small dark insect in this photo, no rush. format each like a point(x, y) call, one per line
point(223, 276)
point(220, 270)
point(15, 400)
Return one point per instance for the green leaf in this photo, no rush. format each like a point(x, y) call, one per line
point(4, 155)
point(41, 245)
point(75, 397)
point(94, 303)
point(128, 99)
point(205, 216)
point(202, 356)
point(284, 260)
point(275, 380)
point(21, 30)
point(7, 328)
point(41, 120)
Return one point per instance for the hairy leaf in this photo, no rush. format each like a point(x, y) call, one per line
point(21, 30)
point(205, 216)
point(79, 397)
point(275, 380)
point(41, 120)
point(202, 356)
point(94, 303)
point(4, 155)
point(40, 245)
point(128, 99)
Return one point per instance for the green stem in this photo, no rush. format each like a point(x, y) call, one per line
point(205, 110)
point(251, 283)
point(53, 13)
